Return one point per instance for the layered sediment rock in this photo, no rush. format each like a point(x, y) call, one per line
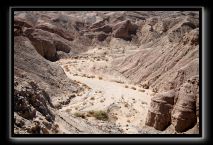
point(159, 114)
point(186, 110)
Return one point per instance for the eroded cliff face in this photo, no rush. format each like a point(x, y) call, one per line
point(156, 51)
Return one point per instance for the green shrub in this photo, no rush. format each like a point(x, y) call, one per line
point(78, 114)
point(100, 115)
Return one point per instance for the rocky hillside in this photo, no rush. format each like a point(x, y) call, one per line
point(169, 49)
point(153, 50)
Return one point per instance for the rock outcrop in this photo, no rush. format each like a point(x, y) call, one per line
point(124, 30)
point(29, 99)
point(37, 86)
point(47, 44)
point(178, 109)
point(160, 59)
point(53, 29)
point(184, 115)
point(105, 28)
point(159, 114)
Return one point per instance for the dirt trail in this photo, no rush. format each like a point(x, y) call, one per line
point(126, 105)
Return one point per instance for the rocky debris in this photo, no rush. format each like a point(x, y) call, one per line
point(36, 127)
point(32, 112)
point(159, 114)
point(184, 115)
point(29, 99)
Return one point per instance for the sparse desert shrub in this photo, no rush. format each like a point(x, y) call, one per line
point(92, 98)
point(126, 105)
point(145, 86)
point(91, 112)
point(101, 115)
point(126, 86)
point(155, 90)
point(133, 88)
point(142, 90)
point(78, 114)
point(152, 94)
point(128, 121)
point(68, 110)
point(118, 81)
point(101, 101)
point(66, 68)
point(100, 78)
point(143, 102)
point(75, 57)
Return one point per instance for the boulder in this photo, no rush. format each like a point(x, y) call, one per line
point(159, 113)
point(124, 30)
